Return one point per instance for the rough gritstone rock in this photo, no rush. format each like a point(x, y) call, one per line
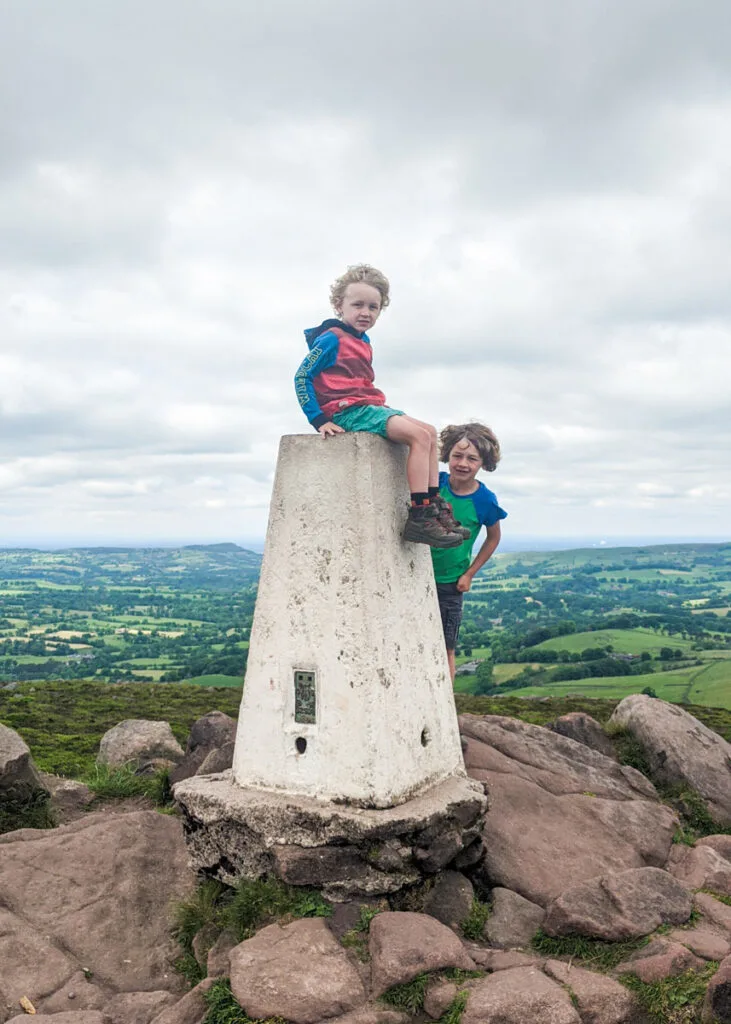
point(191, 1009)
point(680, 749)
point(579, 726)
point(439, 997)
point(69, 799)
point(557, 764)
point(219, 955)
point(208, 733)
point(660, 959)
point(77, 992)
point(700, 867)
point(721, 844)
point(539, 844)
point(704, 941)
point(299, 972)
point(372, 1013)
point(20, 781)
point(138, 740)
point(599, 999)
point(505, 959)
point(714, 910)
point(717, 1004)
point(136, 1007)
point(211, 731)
point(513, 921)
point(404, 944)
point(518, 996)
point(95, 894)
point(218, 760)
point(625, 905)
point(450, 898)
point(68, 1017)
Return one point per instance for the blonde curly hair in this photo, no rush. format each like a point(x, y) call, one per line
point(355, 274)
point(479, 435)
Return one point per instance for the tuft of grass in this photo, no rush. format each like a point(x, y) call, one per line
point(453, 1013)
point(255, 902)
point(223, 1008)
point(409, 997)
point(590, 952)
point(474, 924)
point(459, 974)
point(675, 1000)
point(109, 783)
point(242, 910)
point(33, 813)
point(629, 750)
point(696, 821)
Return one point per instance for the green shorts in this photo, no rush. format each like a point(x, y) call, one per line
point(371, 418)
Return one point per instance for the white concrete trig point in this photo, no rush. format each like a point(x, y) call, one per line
point(347, 729)
point(347, 694)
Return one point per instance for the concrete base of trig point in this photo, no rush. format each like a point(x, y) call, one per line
point(347, 741)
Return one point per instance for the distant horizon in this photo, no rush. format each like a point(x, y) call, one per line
point(510, 544)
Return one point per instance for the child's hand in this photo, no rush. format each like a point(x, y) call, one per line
point(464, 583)
point(330, 428)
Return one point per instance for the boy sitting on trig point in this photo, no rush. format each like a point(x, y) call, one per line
point(335, 389)
point(466, 448)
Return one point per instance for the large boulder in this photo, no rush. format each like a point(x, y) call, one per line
point(700, 867)
point(514, 920)
point(405, 944)
point(518, 996)
point(20, 782)
point(559, 812)
point(299, 972)
point(680, 749)
point(619, 906)
point(208, 734)
point(97, 894)
point(137, 741)
point(599, 999)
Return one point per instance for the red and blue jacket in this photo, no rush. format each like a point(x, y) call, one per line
point(336, 373)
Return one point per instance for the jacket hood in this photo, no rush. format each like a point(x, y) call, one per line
point(313, 333)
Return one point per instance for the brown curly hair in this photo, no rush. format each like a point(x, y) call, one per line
point(479, 435)
point(353, 275)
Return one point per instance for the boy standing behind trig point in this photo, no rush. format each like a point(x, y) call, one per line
point(335, 389)
point(466, 449)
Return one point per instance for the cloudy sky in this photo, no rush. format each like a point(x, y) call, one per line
point(547, 183)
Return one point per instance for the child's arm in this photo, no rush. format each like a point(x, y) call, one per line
point(491, 542)
point(320, 357)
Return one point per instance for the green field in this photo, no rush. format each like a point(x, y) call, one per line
point(624, 641)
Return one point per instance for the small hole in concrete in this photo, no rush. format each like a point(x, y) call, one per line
point(301, 744)
point(425, 737)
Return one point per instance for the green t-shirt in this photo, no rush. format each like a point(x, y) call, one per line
point(473, 511)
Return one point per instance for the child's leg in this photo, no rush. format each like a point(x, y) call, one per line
point(421, 439)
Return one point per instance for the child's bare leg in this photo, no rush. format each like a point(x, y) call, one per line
point(433, 453)
point(420, 439)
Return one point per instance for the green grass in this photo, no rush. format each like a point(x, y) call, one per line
point(474, 924)
point(409, 997)
point(593, 953)
point(229, 682)
point(676, 1000)
point(117, 783)
point(223, 1008)
point(624, 641)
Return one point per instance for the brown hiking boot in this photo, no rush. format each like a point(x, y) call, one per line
point(423, 527)
point(446, 517)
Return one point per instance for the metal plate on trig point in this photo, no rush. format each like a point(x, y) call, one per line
point(305, 700)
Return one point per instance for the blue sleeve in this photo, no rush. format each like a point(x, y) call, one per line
point(488, 510)
point(321, 357)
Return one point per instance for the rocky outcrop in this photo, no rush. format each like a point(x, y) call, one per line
point(513, 921)
point(85, 908)
point(208, 734)
point(625, 905)
point(559, 812)
point(20, 782)
point(403, 945)
point(138, 741)
point(584, 729)
point(680, 750)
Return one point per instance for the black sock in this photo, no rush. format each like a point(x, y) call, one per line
point(433, 492)
point(419, 498)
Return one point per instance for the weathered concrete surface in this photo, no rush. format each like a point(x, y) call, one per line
point(348, 600)
point(350, 851)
